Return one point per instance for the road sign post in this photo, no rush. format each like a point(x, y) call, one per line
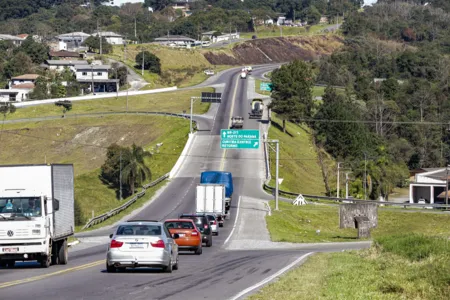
point(239, 139)
point(265, 86)
point(206, 98)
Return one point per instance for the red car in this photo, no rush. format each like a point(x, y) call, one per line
point(190, 238)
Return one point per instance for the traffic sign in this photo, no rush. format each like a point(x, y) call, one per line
point(239, 139)
point(265, 86)
point(211, 97)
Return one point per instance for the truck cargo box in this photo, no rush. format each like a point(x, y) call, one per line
point(210, 198)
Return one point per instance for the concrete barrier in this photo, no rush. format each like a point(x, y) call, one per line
point(93, 97)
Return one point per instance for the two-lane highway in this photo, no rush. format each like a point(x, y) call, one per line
point(217, 273)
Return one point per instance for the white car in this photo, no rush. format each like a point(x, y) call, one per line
point(142, 244)
point(209, 72)
point(243, 75)
point(213, 223)
point(249, 69)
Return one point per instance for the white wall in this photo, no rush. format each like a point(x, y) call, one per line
point(87, 74)
point(21, 94)
point(115, 40)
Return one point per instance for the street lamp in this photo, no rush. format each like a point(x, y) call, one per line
point(277, 158)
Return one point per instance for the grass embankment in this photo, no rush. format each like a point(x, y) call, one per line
point(267, 31)
point(174, 102)
point(83, 142)
point(298, 224)
point(298, 164)
point(396, 267)
point(179, 67)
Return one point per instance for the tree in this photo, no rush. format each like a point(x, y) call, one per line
point(93, 43)
point(122, 73)
point(40, 90)
point(151, 62)
point(66, 106)
point(38, 52)
point(135, 171)
point(110, 170)
point(18, 65)
point(292, 91)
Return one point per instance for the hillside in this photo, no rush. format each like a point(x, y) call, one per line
point(274, 50)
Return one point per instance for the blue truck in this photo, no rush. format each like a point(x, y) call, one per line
point(217, 177)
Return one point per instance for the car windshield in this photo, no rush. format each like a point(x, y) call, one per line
point(133, 229)
point(179, 225)
point(20, 207)
point(211, 218)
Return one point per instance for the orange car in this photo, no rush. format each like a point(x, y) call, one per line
point(190, 238)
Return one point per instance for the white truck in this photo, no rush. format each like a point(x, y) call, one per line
point(36, 213)
point(210, 198)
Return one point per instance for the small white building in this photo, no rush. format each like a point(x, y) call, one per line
point(23, 81)
point(120, 2)
point(97, 75)
point(60, 65)
point(429, 185)
point(15, 95)
point(17, 41)
point(223, 37)
point(72, 40)
point(111, 37)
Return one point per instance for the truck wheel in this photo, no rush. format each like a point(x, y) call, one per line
point(10, 263)
point(221, 224)
point(46, 261)
point(54, 258)
point(209, 243)
point(63, 255)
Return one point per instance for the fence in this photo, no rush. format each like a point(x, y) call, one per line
point(115, 211)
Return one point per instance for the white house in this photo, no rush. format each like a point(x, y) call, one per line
point(72, 40)
point(120, 2)
point(59, 65)
point(23, 81)
point(14, 39)
point(14, 95)
point(223, 37)
point(97, 75)
point(111, 37)
point(429, 185)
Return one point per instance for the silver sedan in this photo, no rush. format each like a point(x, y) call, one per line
point(142, 244)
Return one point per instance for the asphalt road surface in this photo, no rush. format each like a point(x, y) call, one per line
point(219, 273)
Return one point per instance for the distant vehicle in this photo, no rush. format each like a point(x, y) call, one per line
point(190, 239)
point(243, 75)
point(249, 69)
point(213, 222)
point(142, 244)
point(209, 72)
point(210, 199)
point(257, 108)
point(254, 37)
point(237, 122)
point(218, 177)
point(202, 223)
point(36, 213)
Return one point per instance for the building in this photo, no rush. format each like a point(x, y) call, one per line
point(111, 37)
point(60, 65)
point(223, 37)
point(15, 95)
point(65, 55)
point(429, 185)
point(14, 39)
point(23, 81)
point(120, 2)
point(174, 39)
point(73, 40)
point(98, 75)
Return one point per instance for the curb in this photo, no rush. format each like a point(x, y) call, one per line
point(183, 154)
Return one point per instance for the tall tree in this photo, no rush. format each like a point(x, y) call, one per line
point(135, 171)
point(292, 91)
point(151, 62)
point(38, 52)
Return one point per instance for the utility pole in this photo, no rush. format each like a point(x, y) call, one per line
point(346, 184)
point(277, 159)
point(127, 97)
point(117, 88)
point(135, 35)
point(143, 55)
point(365, 176)
point(92, 76)
point(446, 187)
point(338, 168)
point(193, 99)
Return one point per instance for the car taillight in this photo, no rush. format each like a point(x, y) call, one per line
point(205, 226)
point(214, 222)
point(194, 233)
point(116, 244)
point(159, 244)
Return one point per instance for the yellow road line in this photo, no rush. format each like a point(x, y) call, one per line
point(222, 162)
point(40, 277)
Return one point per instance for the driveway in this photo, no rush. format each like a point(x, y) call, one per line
point(134, 80)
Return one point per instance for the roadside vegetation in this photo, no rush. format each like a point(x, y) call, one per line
point(84, 142)
point(298, 224)
point(268, 31)
point(409, 266)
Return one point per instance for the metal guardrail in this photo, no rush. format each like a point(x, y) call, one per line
point(98, 219)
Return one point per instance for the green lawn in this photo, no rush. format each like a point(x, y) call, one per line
point(298, 165)
point(175, 102)
point(298, 224)
point(83, 142)
point(376, 273)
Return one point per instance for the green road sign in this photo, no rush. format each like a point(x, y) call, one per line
point(265, 86)
point(239, 139)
